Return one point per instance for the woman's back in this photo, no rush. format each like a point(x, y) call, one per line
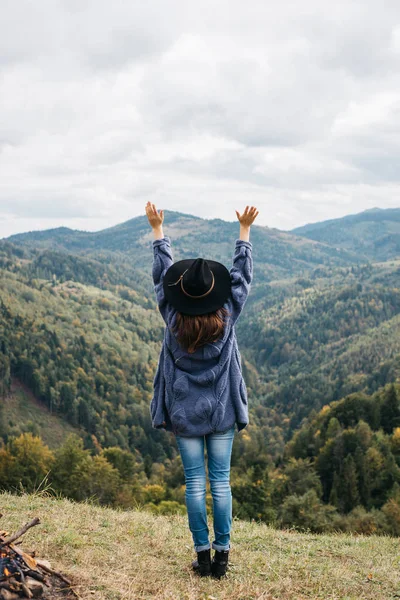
point(201, 392)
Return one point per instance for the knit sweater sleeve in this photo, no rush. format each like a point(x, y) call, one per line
point(162, 260)
point(241, 276)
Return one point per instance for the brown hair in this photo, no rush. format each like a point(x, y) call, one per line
point(193, 331)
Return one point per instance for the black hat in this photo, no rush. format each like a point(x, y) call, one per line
point(195, 286)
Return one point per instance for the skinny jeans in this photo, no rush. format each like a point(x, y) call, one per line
point(219, 451)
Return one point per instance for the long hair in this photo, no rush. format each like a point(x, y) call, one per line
point(193, 331)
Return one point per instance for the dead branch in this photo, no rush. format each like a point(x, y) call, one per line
point(20, 532)
point(57, 574)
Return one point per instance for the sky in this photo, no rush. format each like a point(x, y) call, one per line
point(200, 107)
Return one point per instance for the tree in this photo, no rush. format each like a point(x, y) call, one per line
point(349, 484)
point(253, 496)
point(33, 460)
point(334, 428)
point(5, 377)
point(364, 483)
point(344, 492)
point(124, 461)
point(67, 396)
point(306, 512)
point(98, 480)
point(395, 443)
point(68, 460)
point(301, 477)
point(9, 471)
point(390, 410)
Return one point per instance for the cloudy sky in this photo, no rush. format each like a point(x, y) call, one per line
point(200, 107)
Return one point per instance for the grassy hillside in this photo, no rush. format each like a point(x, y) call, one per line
point(373, 234)
point(132, 555)
point(23, 412)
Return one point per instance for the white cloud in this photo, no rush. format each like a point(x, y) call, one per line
point(199, 107)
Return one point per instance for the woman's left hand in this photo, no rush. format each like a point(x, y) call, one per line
point(155, 219)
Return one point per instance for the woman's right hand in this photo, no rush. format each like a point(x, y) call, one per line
point(247, 218)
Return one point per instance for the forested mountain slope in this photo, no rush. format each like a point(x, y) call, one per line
point(305, 339)
point(315, 340)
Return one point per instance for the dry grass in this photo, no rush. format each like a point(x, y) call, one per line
point(123, 555)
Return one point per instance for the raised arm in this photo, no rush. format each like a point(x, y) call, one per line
point(161, 263)
point(242, 269)
point(162, 259)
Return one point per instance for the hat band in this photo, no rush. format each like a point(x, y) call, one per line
point(187, 293)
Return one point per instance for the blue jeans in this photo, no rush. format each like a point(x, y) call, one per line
point(219, 450)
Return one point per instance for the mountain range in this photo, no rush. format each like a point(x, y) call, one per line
point(80, 336)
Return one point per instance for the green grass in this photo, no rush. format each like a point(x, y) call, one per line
point(132, 554)
point(23, 412)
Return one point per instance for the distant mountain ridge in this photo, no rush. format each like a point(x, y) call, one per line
point(374, 234)
point(64, 235)
point(371, 214)
point(276, 253)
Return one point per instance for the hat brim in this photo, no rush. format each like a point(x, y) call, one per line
point(197, 306)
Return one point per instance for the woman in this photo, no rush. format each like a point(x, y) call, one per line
point(199, 390)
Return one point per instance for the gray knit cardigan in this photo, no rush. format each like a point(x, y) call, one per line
point(203, 392)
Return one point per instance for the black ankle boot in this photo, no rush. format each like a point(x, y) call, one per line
point(202, 565)
point(219, 563)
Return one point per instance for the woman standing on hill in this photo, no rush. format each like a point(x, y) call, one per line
point(199, 390)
